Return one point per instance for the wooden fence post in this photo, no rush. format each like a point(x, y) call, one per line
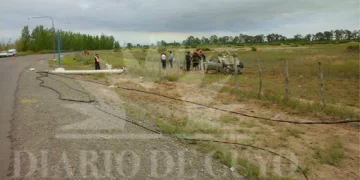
point(146, 64)
point(202, 68)
point(217, 72)
point(178, 68)
point(236, 76)
point(286, 81)
point(260, 80)
point(153, 66)
point(160, 66)
point(321, 76)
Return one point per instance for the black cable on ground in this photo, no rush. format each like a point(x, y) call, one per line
point(205, 140)
point(219, 109)
point(158, 132)
point(42, 75)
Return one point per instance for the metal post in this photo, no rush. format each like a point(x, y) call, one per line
point(58, 39)
point(53, 27)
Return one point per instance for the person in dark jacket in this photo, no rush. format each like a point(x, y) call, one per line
point(188, 61)
point(171, 58)
point(97, 62)
point(196, 60)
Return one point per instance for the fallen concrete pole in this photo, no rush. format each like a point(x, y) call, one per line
point(63, 71)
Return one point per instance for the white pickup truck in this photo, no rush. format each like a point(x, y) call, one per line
point(9, 53)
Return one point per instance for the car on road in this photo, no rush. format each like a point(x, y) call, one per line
point(12, 52)
point(3, 53)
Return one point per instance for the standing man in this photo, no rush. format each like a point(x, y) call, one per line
point(97, 62)
point(188, 61)
point(171, 58)
point(163, 60)
point(202, 55)
point(196, 59)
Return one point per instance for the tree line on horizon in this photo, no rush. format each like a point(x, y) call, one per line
point(339, 35)
point(333, 35)
point(41, 39)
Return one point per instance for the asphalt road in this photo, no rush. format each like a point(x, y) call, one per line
point(44, 137)
point(10, 70)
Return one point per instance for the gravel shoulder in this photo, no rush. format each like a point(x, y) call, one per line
point(56, 139)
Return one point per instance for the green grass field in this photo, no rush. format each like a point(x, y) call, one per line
point(341, 88)
point(340, 70)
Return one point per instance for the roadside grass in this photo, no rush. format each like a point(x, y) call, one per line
point(296, 106)
point(294, 132)
point(332, 154)
point(243, 165)
point(228, 119)
point(185, 127)
point(168, 123)
point(24, 53)
point(341, 75)
point(234, 159)
point(341, 89)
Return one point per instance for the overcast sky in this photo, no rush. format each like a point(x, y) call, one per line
point(148, 21)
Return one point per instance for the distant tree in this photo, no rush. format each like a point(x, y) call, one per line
point(129, 45)
point(308, 37)
point(19, 44)
point(25, 38)
point(213, 39)
point(204, 40)
point(241, 38)
point(319, 36)
point(116, 45)
point(338, 34)
point(356, 35)
point(298, 37)
point(348, 35)
point(270, 38)
point(259, 38)
point(236, 40)
point(328, 35)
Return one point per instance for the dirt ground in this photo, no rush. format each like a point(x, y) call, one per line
point(297, 142)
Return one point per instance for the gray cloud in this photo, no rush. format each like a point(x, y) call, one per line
point(185, 16)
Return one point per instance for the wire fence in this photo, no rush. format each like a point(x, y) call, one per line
point(305, 83)
point(305, 89)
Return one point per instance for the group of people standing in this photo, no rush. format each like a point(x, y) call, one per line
point(164, 58)
point(195, 59)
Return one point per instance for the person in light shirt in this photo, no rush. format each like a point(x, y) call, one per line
point(163, 60)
